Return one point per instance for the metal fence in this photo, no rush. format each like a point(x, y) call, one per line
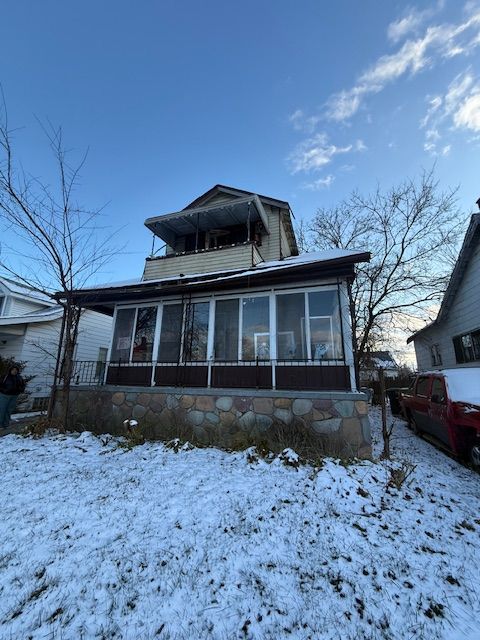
point(248, 374)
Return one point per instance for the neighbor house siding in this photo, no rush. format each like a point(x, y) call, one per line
point(38, 347)
point(39, 352)
point(463, 317)
point(17, 307)
point(95, 331)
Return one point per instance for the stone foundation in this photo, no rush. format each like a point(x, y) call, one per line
point(334, 423)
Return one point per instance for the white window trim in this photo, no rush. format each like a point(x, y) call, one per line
point(270, 293)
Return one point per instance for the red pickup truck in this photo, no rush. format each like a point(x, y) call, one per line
point(446, 405)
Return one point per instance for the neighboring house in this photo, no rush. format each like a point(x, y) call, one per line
point(30, 325)
point(230, 311)
point(376, 360)
point(453, 339)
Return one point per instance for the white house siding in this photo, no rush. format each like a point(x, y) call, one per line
point(463, 317)
point(18, 307)
point(39, 351)
point(95, 331)
point(38, 348)
point(236, 257)
point(11, 346)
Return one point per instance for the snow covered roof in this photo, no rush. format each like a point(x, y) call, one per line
point(18, 289)
point(42, 315)
point(383, 359)
point(314, 257)
point(319, 264)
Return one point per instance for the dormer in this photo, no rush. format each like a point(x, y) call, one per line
point(17, 299)
point(224, 229)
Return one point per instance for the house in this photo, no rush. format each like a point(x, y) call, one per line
point(230, 330)
point(453, 339)
point(30, 324)
point(376, 360)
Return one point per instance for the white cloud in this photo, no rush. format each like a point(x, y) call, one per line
point(411, 21)
point(302, 122)
point(400, 28)
point(468, 114)
point(457, 89)
point(314, 153)
point(321, 183)
point(439, 41)
point(459, 108)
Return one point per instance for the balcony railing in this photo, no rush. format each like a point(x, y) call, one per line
point(304, 375)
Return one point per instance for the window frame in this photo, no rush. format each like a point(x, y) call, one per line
point(212, 299)
point(429, 386)
point(461, 354)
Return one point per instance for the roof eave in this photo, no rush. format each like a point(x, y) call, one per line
point(102, 299)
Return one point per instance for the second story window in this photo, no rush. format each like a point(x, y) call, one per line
point(467, 347)
point(436, 355)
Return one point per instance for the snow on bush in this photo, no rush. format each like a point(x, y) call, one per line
point(150, 542)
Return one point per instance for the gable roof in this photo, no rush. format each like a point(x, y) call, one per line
point(202, 210)
point(42, 315)
point(221, 188)
point(22, 290)
point(472, 237)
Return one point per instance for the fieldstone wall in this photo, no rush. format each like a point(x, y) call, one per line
point(336, 422)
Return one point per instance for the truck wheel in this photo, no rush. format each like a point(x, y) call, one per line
point(413, 424)
point(475, 456)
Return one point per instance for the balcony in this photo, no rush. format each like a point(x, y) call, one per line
point(226, 258)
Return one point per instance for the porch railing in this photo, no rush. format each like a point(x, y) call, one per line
point(255, 374)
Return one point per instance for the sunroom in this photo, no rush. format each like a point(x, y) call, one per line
point(283, 325)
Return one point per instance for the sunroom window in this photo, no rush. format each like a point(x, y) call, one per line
point(256, 328)
point(171, 333)
point(196, 331)
point(324, 325)
point(226, 330)
point(291, 342)
point(122, 336)
point(144, 334)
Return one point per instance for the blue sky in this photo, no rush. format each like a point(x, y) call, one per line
point(304, 101)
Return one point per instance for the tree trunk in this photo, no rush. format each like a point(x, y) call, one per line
point(385, 432)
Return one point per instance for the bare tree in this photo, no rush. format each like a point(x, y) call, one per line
point(59, 246)
point(411, 231)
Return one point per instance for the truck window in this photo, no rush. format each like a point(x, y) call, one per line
point(423, 383)
point(438, 391)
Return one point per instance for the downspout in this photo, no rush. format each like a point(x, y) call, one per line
point(354, 334)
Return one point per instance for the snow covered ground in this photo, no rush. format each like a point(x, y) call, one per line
point(102, 542)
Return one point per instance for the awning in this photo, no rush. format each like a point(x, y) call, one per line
point(226, 213)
